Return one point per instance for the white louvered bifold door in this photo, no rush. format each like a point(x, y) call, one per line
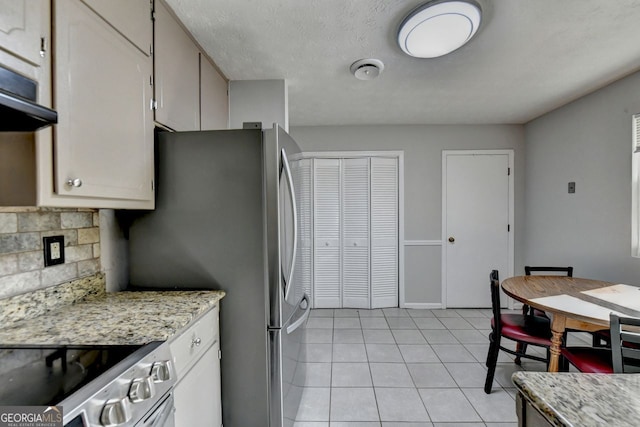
point(384, 232)
point(327, 289)
point(355, 233)
point(302, 180)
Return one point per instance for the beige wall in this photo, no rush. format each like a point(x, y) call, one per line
point(21, 250)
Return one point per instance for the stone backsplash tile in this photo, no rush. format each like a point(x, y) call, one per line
point(20, 283)
point(79, 253)
point(29, 261)
point(76, 219)
point(88, 235)
point(87, 267)
point(21, 248)
point(19, 242)
point(59, 274)
point(8, 264)
point(8, 223)
point(39, 221)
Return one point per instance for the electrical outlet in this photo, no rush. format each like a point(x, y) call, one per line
point(53, 250)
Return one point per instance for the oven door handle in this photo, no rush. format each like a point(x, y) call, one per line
point(161, 415)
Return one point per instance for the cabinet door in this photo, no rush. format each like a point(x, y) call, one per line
point(355, 233)
point(326, 224)
point(176, 73)
point(214, 100)
point(104, 138)
point(197, 395)
point(132, 18)
point(384, 232)
point(22, 25)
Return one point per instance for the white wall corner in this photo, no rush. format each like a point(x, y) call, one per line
point(113, 252)
point(264, 101)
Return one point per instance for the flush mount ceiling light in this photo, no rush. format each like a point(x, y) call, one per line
point(367, 69)
point(439, 27)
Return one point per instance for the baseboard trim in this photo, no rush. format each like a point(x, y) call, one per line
point(423, 305)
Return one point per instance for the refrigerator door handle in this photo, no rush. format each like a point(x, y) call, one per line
point(304, 304)
point(292, 192)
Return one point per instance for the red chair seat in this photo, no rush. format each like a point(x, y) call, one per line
point(513, 328)
point(538, 312)
point(589, 359)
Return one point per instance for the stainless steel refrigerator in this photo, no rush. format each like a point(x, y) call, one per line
point(226, 218)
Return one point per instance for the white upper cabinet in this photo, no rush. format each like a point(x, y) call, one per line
point(24, 29)
point(103, 92)
point(214, 104)
point(129, 23)
point(177, 87)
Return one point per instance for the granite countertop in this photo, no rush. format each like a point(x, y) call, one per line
point(82, 313)
point(583, 400)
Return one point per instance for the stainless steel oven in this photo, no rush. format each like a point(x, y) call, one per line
point(96, 386)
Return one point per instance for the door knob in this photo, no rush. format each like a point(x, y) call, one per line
point(451, 239)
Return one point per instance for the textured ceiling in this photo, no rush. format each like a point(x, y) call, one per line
point(529, 57)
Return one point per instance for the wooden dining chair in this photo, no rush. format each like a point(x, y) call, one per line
point(598, 338)
point(512, 327)
point(566, 271)
point(623, 357)
point(534, 315)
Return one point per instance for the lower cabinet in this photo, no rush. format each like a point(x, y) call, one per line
point(196, 355)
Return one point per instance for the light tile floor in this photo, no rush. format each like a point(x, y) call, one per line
point(405, 368)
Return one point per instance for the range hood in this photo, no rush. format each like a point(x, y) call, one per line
point(19, 111)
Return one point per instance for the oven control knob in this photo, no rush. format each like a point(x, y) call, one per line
point(116, 412)
point(142, 389)
point(161, 371)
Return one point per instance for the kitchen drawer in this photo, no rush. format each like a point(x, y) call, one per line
point(189, 346)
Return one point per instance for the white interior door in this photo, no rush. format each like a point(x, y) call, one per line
point(355, 233)
point(327, 286)
point(477, 210)
point(302, 179)
point(384, 232)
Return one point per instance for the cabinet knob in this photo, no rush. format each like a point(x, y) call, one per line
point(77, 182)
point(355, 244)
point(326, 243)
point(452, 239)
point(195, 342)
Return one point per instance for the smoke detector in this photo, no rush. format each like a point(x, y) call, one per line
point(367, 69)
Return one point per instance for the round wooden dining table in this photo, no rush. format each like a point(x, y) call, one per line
point(574, 303)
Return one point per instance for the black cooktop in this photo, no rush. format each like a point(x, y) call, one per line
point(46, 376)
